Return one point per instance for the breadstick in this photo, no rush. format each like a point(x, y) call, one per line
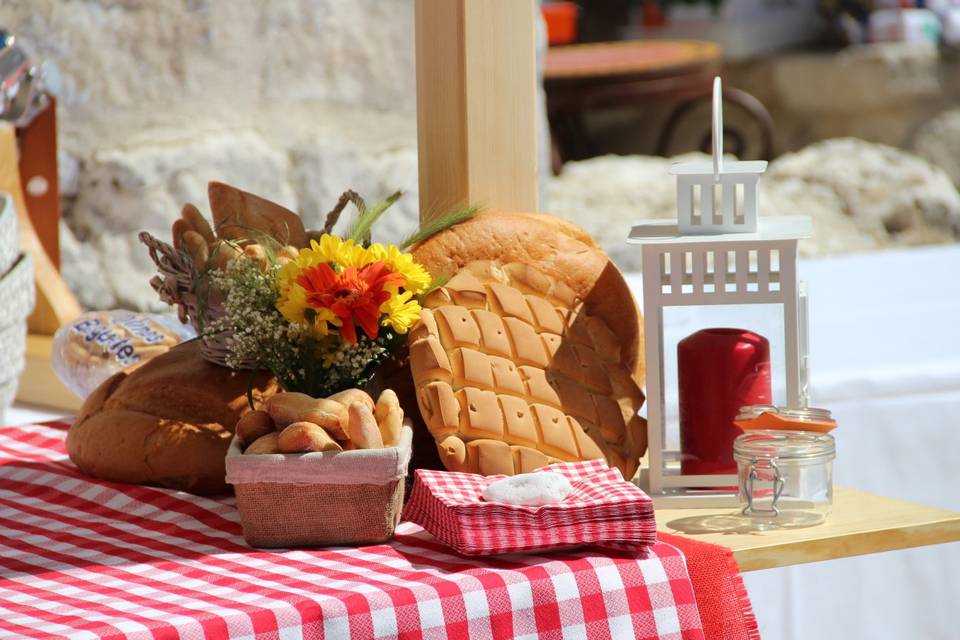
point(197, 247)
point(197, 222)
point(180, 227)
point(389, 417)
point(363, 427)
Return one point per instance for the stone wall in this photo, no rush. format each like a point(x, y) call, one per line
point(298, 100)
point(862, 196)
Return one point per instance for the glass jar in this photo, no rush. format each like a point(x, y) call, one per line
point(785, 477)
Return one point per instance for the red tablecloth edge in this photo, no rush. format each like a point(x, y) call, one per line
point(725, 609)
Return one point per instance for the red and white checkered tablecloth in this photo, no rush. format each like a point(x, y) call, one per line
point(602, 509)
point(87, 559)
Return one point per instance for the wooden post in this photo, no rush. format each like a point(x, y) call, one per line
point(476, 105)
point(38, 164)
point(55, 302)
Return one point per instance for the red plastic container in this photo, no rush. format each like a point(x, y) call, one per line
point(719, 371)
point(561, 19)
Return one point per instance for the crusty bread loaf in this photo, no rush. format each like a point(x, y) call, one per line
point(167, 423)
point(555, 246)
point(240, 215)
point(513, 371)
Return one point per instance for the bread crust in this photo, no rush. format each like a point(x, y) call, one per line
point(167, 423)
point(555, 246)
point(513, 373)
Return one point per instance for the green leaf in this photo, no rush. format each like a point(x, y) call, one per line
point(359, 231)
point(438, 224)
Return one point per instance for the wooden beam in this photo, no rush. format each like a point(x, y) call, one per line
point(476, 105)
point(56, 304)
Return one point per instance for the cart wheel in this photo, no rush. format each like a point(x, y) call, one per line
point(747, 131)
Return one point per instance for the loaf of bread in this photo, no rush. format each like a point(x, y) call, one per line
point(167, 423)
point(238, 215)
point(98, 344)
point(514, 370)
point(554, 246)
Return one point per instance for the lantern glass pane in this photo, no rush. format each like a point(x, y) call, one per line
point(680, 322)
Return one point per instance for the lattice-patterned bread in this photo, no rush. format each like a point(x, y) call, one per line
point(554, 246)
point(513, 372)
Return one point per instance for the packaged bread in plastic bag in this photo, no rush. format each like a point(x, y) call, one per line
point(96, 345)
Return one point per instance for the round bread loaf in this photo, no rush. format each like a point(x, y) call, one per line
point(514, 371)
point(167, 423)
point(552, 245)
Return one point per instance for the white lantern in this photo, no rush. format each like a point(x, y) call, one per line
point(710, 257)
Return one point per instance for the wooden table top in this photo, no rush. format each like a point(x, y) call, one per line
point(629, 58)
point(860, 523)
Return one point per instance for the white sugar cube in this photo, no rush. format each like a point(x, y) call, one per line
point(529, 489)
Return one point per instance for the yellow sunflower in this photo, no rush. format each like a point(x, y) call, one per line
point(344, 253)
point(416, 278)
point(401, 311)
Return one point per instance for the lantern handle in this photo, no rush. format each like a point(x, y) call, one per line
point(717, 129)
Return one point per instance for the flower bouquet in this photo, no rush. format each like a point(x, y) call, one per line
point(322, 321)
point(320, 316)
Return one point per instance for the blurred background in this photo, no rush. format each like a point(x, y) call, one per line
point(856, 104)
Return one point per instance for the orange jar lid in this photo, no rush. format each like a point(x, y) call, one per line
point(772, 417)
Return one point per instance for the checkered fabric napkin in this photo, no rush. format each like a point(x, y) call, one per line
point(602, 509)
point(81, 558)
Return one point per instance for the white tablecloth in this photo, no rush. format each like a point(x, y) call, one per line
point(885, 358)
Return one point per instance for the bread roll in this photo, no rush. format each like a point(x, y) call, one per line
point(253, 425)
point(389, 417)
point(266, 444)
point(363, 429)
point(167, 423)
point(98, 344)
point(287, 408)
point(304, 437)
point(349, 396)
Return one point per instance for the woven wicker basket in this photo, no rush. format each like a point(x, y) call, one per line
point(179, 284)
point(17, 295)
point(320, 499)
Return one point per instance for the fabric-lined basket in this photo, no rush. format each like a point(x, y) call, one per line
point(320, 499)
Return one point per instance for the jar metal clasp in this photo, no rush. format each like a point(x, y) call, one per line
point(747, 486)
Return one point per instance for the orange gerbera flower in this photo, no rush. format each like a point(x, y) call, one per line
point(353, 295)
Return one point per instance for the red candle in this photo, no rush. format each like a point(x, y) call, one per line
point(719, 370)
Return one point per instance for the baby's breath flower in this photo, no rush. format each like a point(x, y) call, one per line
point(256, 331)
